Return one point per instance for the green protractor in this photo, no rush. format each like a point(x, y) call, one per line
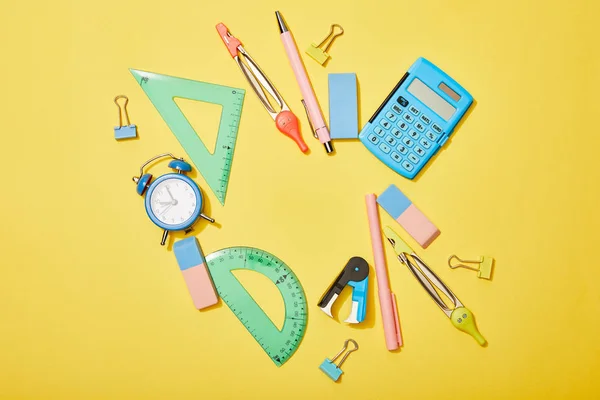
point(278, 344)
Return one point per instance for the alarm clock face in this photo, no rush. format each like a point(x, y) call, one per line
point(173, 202)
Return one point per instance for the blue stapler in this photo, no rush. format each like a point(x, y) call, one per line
point(356, 275)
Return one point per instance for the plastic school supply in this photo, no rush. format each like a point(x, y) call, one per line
point(461, 317)
point(484, 267)
point(215, 167)
point(343, 106)
point(285, 120)
point(124, 131)
point(315, 117)
point(387, 299)
point(333, 370)
point(278, 344)
point(414, 222)
point(193, 268)
point(416, 118)
point(173, 201)
point(356, 275)
point(319, 52)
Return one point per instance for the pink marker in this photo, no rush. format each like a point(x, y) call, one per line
point(387, 300)
point(315, 117)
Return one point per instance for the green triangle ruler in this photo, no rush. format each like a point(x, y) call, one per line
point(162, 89)
point(278, 344)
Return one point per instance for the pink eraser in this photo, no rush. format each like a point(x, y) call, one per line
point(193, 268)
point(414, 222)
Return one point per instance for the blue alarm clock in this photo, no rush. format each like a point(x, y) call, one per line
point(173, 201)
point(416, 118)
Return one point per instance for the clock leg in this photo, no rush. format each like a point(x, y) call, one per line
point(164, 237)
point(206, 217)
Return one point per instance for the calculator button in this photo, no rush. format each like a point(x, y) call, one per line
point(425, 143)
point(407, 166)
point(391, 116)
point(396, 157)
point(403, 102)
point(402, 149)
point(414, 159)
point(385, 148)
point(396, 133)
point(436, 128)
point(431, 136)
point(373, 139)
point(396, 108)
point(420, 127)
point(414, 110)
point(426, 120)
point(402, 125)
point(413, 134)
point(385, 123)
point(419, 151)
point(408, 118)
point(407, 142)
point(378, 131)
point(391, 141)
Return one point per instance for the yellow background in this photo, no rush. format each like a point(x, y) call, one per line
point(94, 307)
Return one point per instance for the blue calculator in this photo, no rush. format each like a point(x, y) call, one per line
point(416, 119)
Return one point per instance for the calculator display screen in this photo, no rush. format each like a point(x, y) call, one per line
point(431, 99)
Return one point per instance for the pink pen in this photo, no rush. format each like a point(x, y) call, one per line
point(315, 117)
point(387, 300)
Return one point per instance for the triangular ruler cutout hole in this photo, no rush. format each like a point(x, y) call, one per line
point(203, 117)
point(265, 294)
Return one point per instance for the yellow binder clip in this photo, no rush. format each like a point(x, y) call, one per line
point(485, 264)
point(318, 53)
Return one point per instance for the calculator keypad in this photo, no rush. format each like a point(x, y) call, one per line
point(385, 123)
point(407, 142)
point(408, 118)
point(373, 139)
point(404, 135)
point(391, 141)
point(407, 166)
point(385, 148)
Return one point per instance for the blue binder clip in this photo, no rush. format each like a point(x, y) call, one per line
point(356, 275)
point(330, 368)
point(124, 131)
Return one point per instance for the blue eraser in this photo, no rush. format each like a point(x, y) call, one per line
point(343, 106)
point(125, 132)
point(188, 253)
point(393, 201)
